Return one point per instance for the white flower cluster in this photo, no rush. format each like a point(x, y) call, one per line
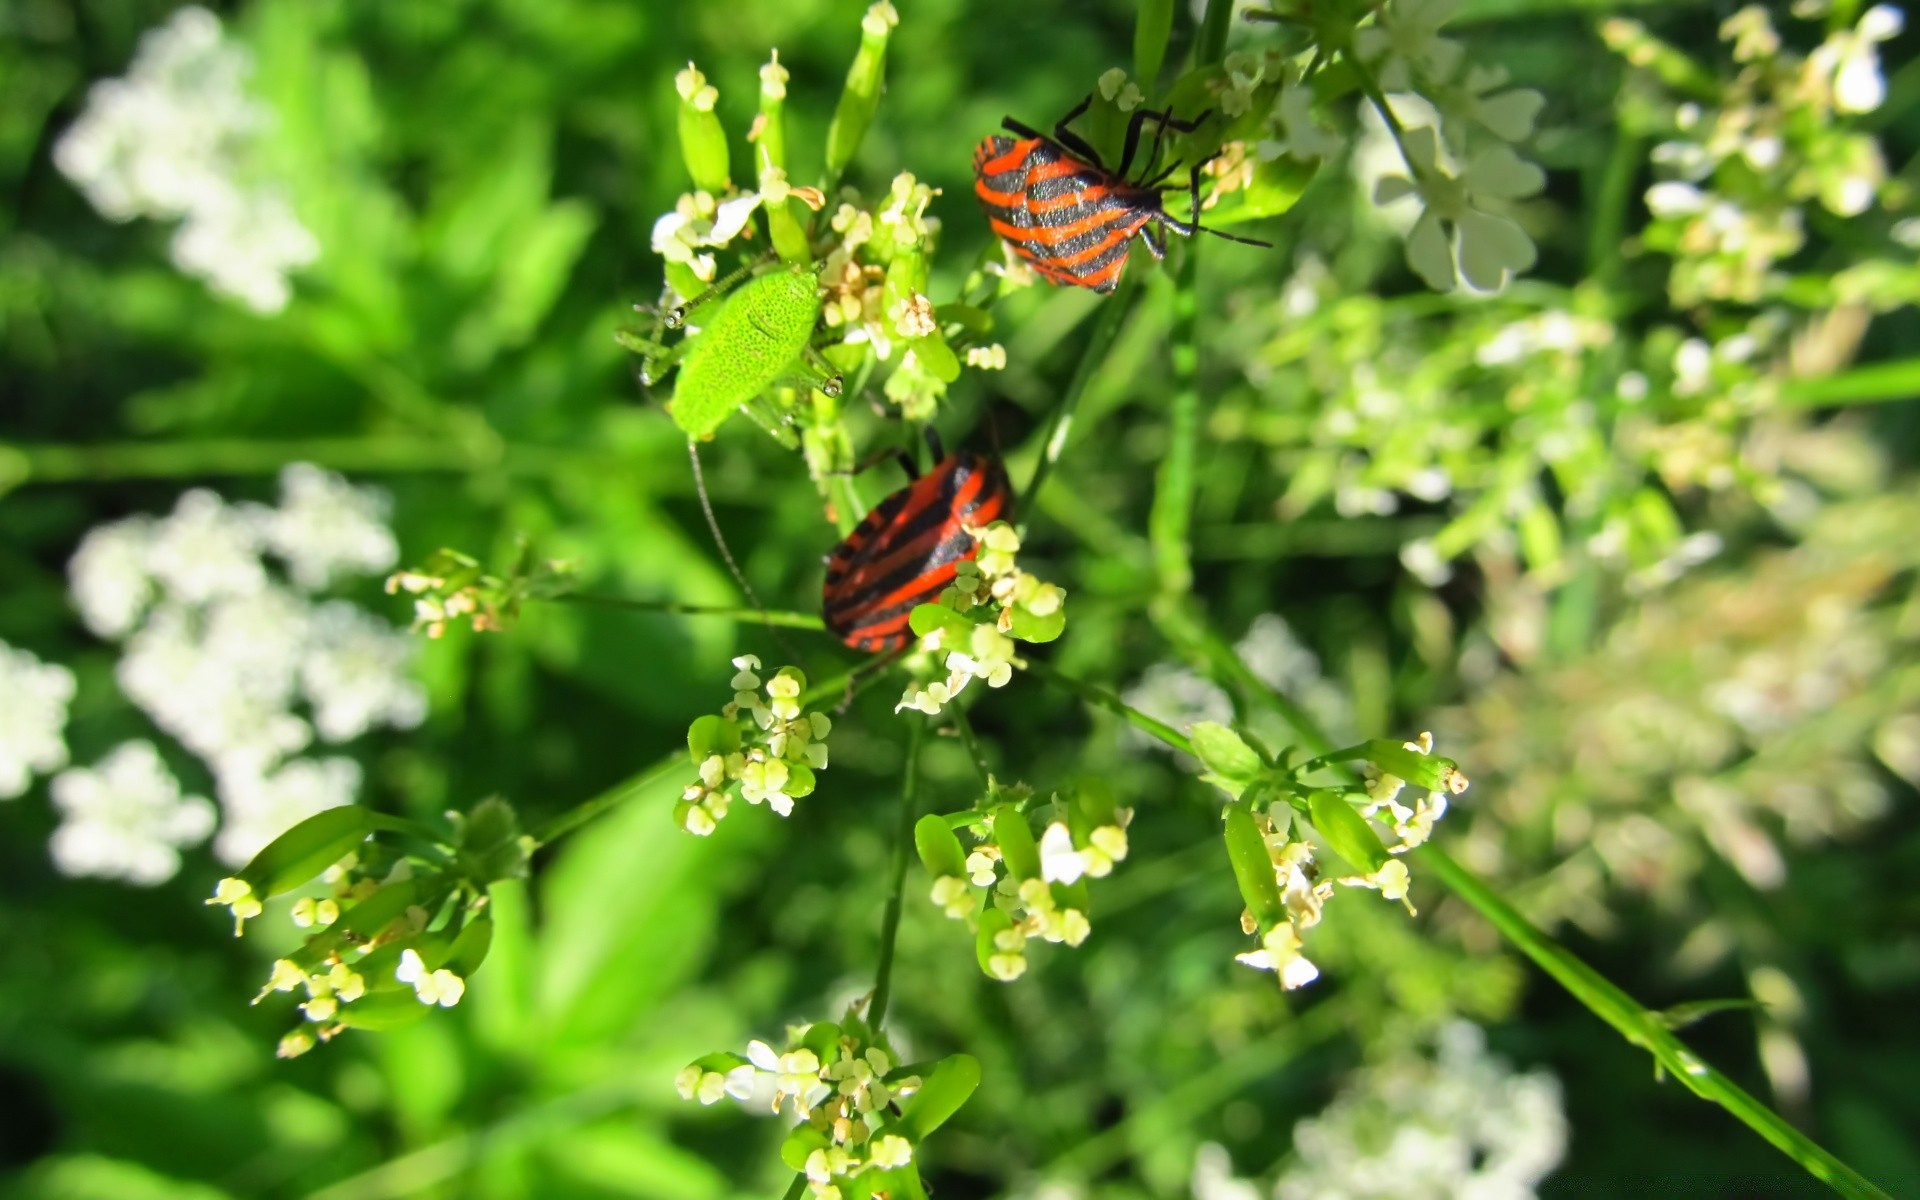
point(1459, 1123)
point(220, 653)
point(774, 766)
point(33, 721)
point(124, 818)
point(1455, 1123)
point(1454, 131)
point(1738, 173)
point(1024, 607)
point(843, 1093)
point(1180, 696)
point(178, 137)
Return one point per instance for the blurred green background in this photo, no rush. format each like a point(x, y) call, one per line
point(481, 178)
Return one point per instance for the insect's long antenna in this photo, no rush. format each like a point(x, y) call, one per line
point(1244, 241)
point(720, 540)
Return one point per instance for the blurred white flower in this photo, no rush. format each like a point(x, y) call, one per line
point(1461, 1123)
point(354, 672)
point(33, 718)
point(1461, 234)
point(245, 244)
point(178, 137)
point(206, 550)
point(110, 578)
point(1851, 59)
point(326, 527)
point(124, 818)
point(1405, 44)
point(258, 808)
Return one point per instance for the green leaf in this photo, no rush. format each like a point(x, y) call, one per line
point(925, 618)
point(802, 1141)
point(1348, 833)
point(1225, 754)
point(307, 849)
point(940, 851)
point(469, 950)
point(1029, 627)
point(490, 836)
point(711, 735)
point(384, 1010)
point(1253, 867)
point(1151, 27)
point(937, 357)
point(1015, 838)
point(940, 1096)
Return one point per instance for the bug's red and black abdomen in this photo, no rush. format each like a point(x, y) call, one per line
point(1072, 221)
point(905, 551)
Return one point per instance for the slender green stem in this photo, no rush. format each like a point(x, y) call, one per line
point(1643, 1028)
point(791, 620)
point(1212, 45)
point(1615, 194)
point(896, 887)
point(1223, 665)
point(91, 462)
point(1059, 427)
point(1371, 88)
point(1874, 383)
point(796, 1189)
point(1100, 697)
point(564, 823)
point(1169, 522)
point(964, 728)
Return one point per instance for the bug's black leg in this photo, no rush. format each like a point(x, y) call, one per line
point(933, 443)
point(1133, 140)
point(1155, 238)
point(1025, 131)
point(1073, 141)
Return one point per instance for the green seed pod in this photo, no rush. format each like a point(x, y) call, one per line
point(754, 340)
point(948, 1086)
point(1429, 771)
point(1015, 838)
point(861, 97)
point(703, 143)
point(1346, 831)
point(940, 851)
point(1253, 867)
point(307, 849)
point(771, 135)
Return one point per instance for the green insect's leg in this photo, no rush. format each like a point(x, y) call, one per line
point(776, 423)
point(677, 315)
point(656, 357)
point(828, 379)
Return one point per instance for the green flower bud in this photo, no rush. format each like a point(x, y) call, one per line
point(1231, 763)
point(703, 143)
point(770, 133)
point(1346, 831)
point(940, 851)
point(861, 97)
point(1015, 838)
point(1423, 770)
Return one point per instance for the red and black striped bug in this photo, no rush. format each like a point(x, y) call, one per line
point(1062, 210)
point(905, 551)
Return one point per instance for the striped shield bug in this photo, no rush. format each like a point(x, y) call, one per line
point(905, 551)
point(761, 336)
point(1060, 208)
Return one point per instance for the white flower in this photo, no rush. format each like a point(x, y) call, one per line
point(245, 243)
point(259, 808)
point(179, 137)
point(109, 578)
point(1406, 43)
point(1280, 951)
point(441, 986)
point(207, 550)
point(890, 1150)
point(354, 671)
point(1059, 861)
point(1485, 247)
point(1852, 59)
point(33, 718)
point(124, 818)
point(326, 527)
point(1302, 136)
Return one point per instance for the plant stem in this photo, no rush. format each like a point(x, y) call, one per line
point(1371, 88)
point(1170, 520)
point(796, 1189)
point(903, 838)
point(791, 620)
point(965, 729)
point(1100, 697)
point(1643, 1028)
point(1874, 383)
point(1212, 46)
point(1053, 438)
point(1222, 664)
point(108, 461)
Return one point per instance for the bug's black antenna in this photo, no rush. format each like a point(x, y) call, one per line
point(720, 540)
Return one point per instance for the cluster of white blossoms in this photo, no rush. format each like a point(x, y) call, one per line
point(1740, 171)
point(33, 721)
point(839, 1086)
point(1455, 125)
point(1023, 608)
point(178, 138)
point(242, 667)
point(1180, 696)
point(124, 818)
point(1455, 1122)
point(757, 750)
